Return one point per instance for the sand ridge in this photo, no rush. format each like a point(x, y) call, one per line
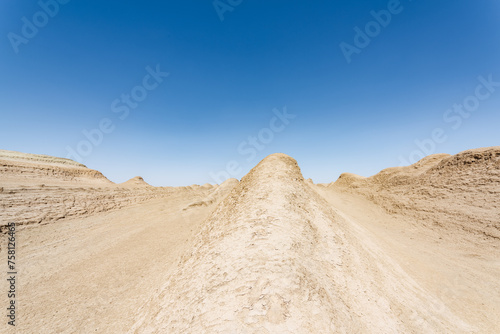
point(273, 258)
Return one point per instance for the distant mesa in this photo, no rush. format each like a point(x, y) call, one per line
point(20, 168)
point(137, 181)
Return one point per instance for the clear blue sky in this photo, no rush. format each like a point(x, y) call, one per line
point(227, 76)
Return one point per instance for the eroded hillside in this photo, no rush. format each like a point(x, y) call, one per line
point(441, 191)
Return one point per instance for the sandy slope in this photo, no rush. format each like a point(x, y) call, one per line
point(413, 249)
point(89, 275)
point(463, 275)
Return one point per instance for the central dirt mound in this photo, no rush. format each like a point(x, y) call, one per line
point(273, 257)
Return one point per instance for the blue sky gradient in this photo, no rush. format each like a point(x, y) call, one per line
point(227, 76)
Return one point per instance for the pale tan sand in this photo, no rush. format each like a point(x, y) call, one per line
point(412, 249)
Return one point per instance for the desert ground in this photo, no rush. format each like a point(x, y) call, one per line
point(409, 250)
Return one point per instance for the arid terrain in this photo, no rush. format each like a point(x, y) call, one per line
point(409, 250)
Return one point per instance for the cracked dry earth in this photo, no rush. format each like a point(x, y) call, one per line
point(275, 253)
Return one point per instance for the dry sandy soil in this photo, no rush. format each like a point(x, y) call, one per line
point(410, 250)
